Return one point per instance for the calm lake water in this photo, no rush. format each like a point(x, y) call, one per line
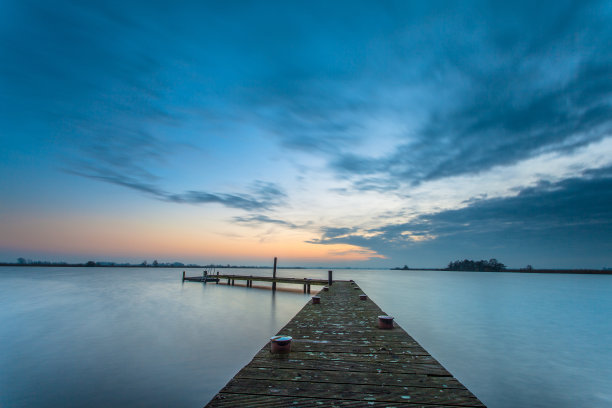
point(98, 337)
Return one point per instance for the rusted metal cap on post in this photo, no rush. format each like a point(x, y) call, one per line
point(316, 300)
point(363, 296)
point(385, 322)
point(280, 344)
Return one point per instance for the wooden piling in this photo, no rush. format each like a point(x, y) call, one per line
point(183, 276)
point(329, 278)
point(274, 274)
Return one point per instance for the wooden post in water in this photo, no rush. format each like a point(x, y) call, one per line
point(183, 276)
point(274, 275)
point(329, 278)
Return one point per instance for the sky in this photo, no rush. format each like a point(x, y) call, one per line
point(361, 134)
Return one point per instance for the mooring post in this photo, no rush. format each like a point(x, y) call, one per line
point(274, 275)
point(183, 276)
point(329, 278)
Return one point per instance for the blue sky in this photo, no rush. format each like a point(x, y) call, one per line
point(366, 134)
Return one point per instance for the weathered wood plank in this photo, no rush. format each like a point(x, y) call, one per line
point(247, 400)
point(431, 369)
point(348, 377)
point(348, 356)
point(304, 345)
point(365, 392)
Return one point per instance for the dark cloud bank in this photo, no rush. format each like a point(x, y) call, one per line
point(565, 224)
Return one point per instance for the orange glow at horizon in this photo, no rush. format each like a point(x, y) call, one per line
point(168, 242)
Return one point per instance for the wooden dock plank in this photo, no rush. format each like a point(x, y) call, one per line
point(249, 400)
point(364, 392)
point(339, 357)
point(348, 356)
point(360, 348)
point(430, 369)
point(348, 377)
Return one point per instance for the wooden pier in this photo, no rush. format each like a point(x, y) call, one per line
point(249, 279)
point(340, 358)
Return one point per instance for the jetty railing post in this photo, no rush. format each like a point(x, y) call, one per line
point(274, 275)
point(329, 278)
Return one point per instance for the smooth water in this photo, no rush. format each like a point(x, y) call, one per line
point(132, 337)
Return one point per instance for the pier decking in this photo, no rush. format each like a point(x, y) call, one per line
point(339, 358)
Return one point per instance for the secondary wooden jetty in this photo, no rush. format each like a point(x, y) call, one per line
point(339, 358)
point(249, 279)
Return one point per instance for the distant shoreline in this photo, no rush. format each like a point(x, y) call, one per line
point(175, 266)
point(148, 266)
point(565, 271)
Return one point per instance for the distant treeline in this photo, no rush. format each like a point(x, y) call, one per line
point(143, 264)
point(492, 265)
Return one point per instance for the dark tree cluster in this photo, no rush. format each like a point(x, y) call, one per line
point(492, 265)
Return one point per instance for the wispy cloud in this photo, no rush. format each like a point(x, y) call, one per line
point(261, 199)
point(264, 196)
point(259, 219)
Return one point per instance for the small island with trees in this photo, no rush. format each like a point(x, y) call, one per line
point(493, 265)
